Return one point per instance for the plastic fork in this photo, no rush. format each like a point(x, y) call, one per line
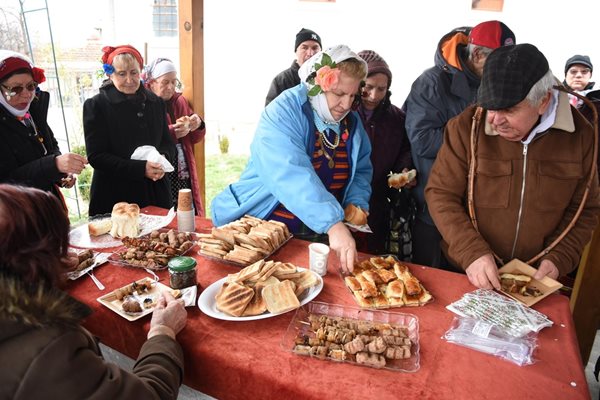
point(96, 281)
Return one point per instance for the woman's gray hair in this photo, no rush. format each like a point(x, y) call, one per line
point(540, 89)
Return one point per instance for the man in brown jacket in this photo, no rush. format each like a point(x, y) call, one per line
point(533, 156)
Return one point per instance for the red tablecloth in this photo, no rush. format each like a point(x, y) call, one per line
point(232, 360)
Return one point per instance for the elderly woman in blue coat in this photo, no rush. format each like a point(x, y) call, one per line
point(310, 157)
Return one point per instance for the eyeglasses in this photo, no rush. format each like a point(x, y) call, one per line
point(167, 82)
point(576, 71)
point(16, 90)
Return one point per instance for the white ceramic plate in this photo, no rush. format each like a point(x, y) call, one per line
point(207, 302)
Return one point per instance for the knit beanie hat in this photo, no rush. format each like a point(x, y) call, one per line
point(579, 59)
point(304, 35)
point(376, 64)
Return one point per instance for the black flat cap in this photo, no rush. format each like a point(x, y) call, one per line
point(509, 74)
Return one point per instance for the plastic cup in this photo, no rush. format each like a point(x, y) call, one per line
point(318, 254)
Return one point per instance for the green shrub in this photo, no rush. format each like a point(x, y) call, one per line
point(224, 144)
point(84, 181)
point(79, 149)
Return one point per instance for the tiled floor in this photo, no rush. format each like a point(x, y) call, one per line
point(186, 393)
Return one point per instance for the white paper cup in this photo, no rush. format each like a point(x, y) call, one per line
point(186, 221)
point(318, 254)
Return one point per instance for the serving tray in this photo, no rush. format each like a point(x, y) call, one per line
point(300, 330)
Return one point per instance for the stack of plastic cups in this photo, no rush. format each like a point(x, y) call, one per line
point(186, 221)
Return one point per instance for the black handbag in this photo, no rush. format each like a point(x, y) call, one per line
point(402, 216)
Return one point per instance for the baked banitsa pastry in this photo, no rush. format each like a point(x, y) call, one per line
point(518, 284)
point(383, 282)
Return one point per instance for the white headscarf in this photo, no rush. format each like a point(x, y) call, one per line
point(158, 68)
point(338, 54)
point(4, 54)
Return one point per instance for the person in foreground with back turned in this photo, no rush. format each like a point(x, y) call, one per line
point(44, 350)
point(530, 156)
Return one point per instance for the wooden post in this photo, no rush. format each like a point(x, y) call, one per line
point(191, 60)
point(585, 299)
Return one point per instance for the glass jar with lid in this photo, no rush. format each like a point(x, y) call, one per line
point(182, 272)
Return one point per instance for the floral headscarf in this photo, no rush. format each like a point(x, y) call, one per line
point(320, 74)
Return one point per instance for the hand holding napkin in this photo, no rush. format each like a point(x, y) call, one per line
point(149, 153)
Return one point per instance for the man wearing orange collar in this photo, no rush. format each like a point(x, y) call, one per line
point(439, 94)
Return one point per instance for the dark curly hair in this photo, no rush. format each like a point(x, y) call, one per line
point(35, 235)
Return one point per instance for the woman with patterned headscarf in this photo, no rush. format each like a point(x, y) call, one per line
point(309, 157)
point(185, 126)
point(29, 153)
point(122, 117)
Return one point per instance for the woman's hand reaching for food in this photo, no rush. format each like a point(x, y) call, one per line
point(169, 317)
point(342, 242)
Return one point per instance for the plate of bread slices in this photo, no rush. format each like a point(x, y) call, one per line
point(243, 241)
point(125, 220)
point(516, 280)
point(261, 290)
point(384, 282)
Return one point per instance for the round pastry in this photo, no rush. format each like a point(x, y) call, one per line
point(355, 215)
point(131, 305)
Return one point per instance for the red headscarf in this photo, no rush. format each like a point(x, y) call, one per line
point(110, 52)
point(11, 61)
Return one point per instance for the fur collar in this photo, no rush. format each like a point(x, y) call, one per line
point(45, 307)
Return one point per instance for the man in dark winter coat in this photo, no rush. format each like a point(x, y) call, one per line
point(440, 93)
point(308, 43)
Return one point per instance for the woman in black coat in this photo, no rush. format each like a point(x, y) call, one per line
point(29, 153)
point(119, 119)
